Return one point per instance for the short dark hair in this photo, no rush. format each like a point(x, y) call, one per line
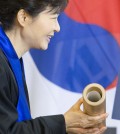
point(10, 8)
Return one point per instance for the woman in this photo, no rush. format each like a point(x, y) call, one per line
point(27, 24)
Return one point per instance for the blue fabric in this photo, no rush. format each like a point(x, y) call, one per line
point(17, 68)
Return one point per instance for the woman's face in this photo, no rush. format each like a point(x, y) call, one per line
point(40, 29)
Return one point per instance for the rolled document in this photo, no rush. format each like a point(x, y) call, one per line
point(94, 100)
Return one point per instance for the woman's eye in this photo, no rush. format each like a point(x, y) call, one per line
point(54, 17)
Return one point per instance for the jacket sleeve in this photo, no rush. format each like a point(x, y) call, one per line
point(8, 115)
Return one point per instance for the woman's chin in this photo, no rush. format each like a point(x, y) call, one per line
point(44, 47)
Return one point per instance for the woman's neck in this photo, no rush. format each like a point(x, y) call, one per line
point(17, 41)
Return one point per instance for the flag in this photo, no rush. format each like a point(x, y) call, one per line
point(86, 50)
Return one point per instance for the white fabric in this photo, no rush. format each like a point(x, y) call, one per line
point(47, 98)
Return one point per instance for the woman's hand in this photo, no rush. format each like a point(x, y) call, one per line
point(79, 123)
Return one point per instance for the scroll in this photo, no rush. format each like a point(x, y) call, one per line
point(94, 100)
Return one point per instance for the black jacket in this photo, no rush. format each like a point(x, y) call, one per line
point(8, 112)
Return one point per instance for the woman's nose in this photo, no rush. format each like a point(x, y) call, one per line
point(57, 26)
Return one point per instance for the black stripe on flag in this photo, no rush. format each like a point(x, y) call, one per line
point(116, 107)
point(111, 130)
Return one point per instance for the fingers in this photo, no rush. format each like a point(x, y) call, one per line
point(86, 131)
point(97, 119)
point(86, 121)
point(102, 130)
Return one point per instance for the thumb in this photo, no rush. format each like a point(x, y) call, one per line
point(77, 105)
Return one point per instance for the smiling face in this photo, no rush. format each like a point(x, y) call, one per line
point(38, 31)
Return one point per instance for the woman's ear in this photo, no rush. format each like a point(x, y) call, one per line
point(23, 18)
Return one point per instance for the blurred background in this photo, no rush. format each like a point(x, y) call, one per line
point(86, 50)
